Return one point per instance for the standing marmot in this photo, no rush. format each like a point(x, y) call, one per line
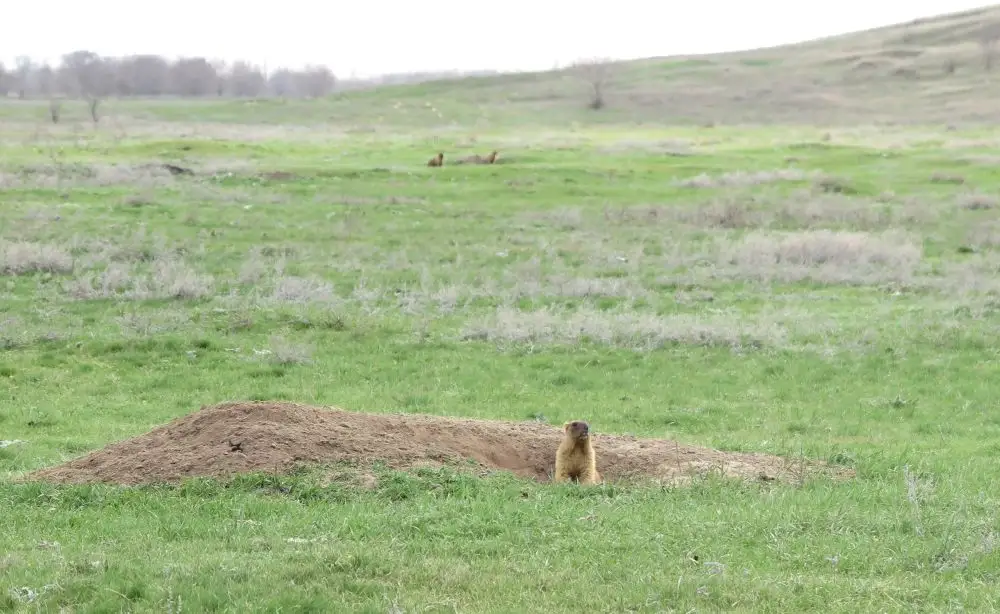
point(575, 458)
point(437, 160)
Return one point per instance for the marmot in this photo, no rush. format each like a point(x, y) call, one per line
point(478, 159)
point(437, 160)
point(575, 458)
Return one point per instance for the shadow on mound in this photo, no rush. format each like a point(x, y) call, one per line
point(231, 438)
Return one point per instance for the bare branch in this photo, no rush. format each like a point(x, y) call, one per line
point(597, 72)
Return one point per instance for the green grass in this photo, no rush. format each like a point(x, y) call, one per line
point(801, 297)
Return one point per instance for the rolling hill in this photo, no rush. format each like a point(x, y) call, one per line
point(928, 70)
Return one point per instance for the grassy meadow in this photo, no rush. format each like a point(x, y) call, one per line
point(808, 291)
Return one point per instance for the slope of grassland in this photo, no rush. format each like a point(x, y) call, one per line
point(928, 71)
point(810, 294)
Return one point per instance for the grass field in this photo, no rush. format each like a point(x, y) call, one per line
point(807, 291)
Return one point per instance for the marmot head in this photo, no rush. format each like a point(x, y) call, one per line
point(577, 429)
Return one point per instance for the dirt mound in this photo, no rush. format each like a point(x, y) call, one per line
point(230, 438)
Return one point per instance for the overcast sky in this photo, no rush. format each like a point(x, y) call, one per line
point(377, 36)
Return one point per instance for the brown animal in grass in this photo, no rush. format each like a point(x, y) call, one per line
point(477, 159)
point(437, 160)
point(575, 458)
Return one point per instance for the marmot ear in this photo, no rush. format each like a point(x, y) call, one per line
point(566, 427)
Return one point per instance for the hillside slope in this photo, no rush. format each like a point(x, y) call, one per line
point(929, 70)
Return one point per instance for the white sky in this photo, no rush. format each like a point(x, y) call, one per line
point(370, 37)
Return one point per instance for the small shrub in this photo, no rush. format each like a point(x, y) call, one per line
point(291, 289)
point(283, 352)
point(627, 329)
point(26, 257)
point(978, 201)
point(939, 177)
point(173, 279)
point(823, 255)
point(112, 281)
point(745, 178)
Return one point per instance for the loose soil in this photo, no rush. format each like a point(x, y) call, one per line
point(231, 438)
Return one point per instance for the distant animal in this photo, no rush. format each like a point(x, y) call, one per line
point(177, 170)
point(437, 160)
point(575, 457)
point(477, 159)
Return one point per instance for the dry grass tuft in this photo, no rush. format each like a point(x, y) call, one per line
point(948, 178)
point(171, 278)
point(729, 213)
point(149, 324)
point(59, 174)
point(138, 247)
point(569, 286)
point(25, 257)
point(745, 178)
point(112, 282)
point(166, 278)
point(626, 329)
point(823, 255)
point(802, 210)
point(975, 275)
point(284, 352)
point(443, 299)
point(292, 289)
point(985, 235)
point(824, 210)
point(976, 201)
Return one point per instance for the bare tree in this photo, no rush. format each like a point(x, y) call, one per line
point(43, 79)
point(220, 77)
point(193, 77)
point(316, 81)
point(597, 72)
point(247, 80)
point(54, 107)
point(282, 83)
point(988, 39)
point(88, 76)
point(25, 70)
point(143, 75)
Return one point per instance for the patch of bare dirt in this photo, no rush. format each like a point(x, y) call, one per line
point(230, 438)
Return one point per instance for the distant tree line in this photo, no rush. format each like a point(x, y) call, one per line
point(87, 75)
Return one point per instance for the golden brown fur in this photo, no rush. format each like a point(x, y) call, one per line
point(437, 160)
point(478, 159)
point(575, 458)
